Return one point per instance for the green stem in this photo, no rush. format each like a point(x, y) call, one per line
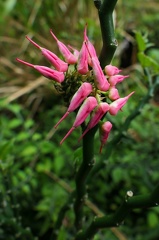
point(82, 174)
point(105, 12)
point(129, 203)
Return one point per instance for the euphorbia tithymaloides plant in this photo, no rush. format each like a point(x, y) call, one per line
point(96, 92)
point(90, 90)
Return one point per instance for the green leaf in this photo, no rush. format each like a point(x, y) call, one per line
point(117, 174)
point(147, 61)
point(152, 219)
point(22, 136)
point(29, 123)
point(7, 7)
point(62, 234)
point(36, 136)
point(46, 147)
point(14, 123)
point(140, 41)
point(44, 166)
point(5, 149)
point(4, 165)
point(153, 53)
point(58, 162)
point(29, 150)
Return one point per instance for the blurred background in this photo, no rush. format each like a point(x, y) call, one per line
point(36, 174)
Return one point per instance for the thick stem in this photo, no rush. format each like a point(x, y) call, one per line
point(82, 174)
point(105, 12)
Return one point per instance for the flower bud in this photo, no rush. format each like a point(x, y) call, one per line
point(87, 107)
point(97, 114)
point(60, 65)
point(84, 90)
point(113, 80)
point(117, 105)
point(111, 70)
point(100, 79)
point(90, 48)
point(69, 57)
point(113, 93)
point(75, 51)
point(82, 66)
point(104, 131)
point(46, 72)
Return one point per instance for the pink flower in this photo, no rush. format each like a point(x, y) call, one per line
point(113, 93)
point(104, 131)
point(82, 66)
point(90, 48)
point(113, 80)
point(69, 57)
point(84, 90)
point(87, 107)
point(75, 51)
point(111, 70)
point(53, 59)
point(46, 72)
point(100, 79)
point(99, 83)
point(117, 105)
point(98, 113)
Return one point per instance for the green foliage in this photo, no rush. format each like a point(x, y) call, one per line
point(146, 61)
point(26, 156)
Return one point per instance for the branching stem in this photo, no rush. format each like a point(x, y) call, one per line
point(143, 201)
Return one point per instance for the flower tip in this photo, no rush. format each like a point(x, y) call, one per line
point(69, 132)
point(25, 63)
point(85, 33)
point(131, 94)
point(64, 116)
point(53, 35)
point(27, 37)
point(34, 43)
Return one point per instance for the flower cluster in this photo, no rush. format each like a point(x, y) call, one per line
point(96, 94)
